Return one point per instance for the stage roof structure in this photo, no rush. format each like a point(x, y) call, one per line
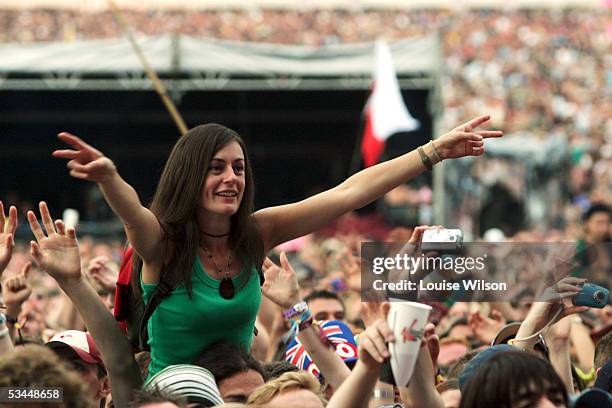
point(188, 63)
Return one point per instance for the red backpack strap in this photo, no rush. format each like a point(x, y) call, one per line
point(123, 285)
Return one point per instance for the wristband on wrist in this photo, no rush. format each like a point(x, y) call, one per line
point(305, 324)
point(2, 318)
point(433, 146)
point(383, 394)
point(296, 323)
point(425, 158)
point(297, 309)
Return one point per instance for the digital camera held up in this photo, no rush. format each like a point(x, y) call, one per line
point(592, 296)
point(442, 240)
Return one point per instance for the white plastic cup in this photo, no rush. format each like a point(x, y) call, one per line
point(407, 320)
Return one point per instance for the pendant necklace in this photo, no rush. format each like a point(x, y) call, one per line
point(226, 287)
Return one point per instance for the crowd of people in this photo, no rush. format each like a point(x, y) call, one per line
point(312, 28)
point(492, 58)
point(212, 304)
point(225, 331)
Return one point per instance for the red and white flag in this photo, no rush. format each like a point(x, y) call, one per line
point(385, 112)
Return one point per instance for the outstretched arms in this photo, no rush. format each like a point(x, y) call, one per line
point(283, 223)
point(141, 225)
point(57, 253)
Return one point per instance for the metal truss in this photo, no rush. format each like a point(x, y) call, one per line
point(194, 81)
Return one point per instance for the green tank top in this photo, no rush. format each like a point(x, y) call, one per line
point(181, 328)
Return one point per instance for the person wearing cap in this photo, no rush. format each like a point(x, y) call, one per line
point(508, 333)
point(79, 351)
point(195, 384)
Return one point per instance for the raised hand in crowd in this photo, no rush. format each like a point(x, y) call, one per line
point(88, 163)
point(558, 297)
point(465, 140)
point(15, 291)
point(421, 390)
point(57, 253)
point(350, 266)
point(371, 312)
point(551, 307)
point(356, 390)
point(103, 272)
point(7, 235)
point(486, 327)
point(413, 249)
point(281, 287)
point(85, 161)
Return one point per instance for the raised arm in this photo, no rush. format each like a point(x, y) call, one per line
point(548, 310)
point(558, 341)
point(15, 291)
point(7, 236)
point(7, 243)
point(141, 226)
point(281, 287)
point(283, 223)
point(356, 391)
point(57, 253)
point(421, 390)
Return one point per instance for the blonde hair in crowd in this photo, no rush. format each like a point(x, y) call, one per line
point(290, 381)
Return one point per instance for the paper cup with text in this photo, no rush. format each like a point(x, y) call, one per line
point(407, 320)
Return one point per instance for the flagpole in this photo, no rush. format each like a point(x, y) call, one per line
point(157, 83)
point(356, 159)
point(439, 193)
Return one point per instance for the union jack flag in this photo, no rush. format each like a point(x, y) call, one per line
point(296, 354)
point(339, 336)
point(331, 330)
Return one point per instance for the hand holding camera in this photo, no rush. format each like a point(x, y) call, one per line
point(592, 295)
point(442, 240)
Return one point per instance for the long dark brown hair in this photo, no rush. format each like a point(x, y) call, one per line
point(176, 204)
